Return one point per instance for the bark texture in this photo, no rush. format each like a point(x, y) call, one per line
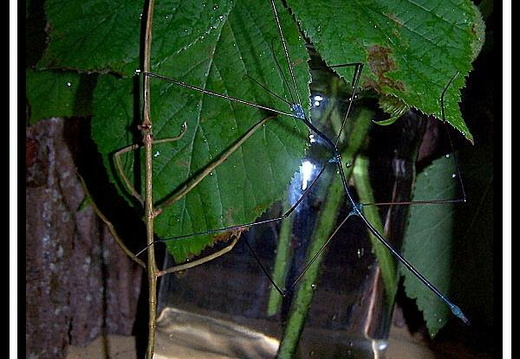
point(79, 283)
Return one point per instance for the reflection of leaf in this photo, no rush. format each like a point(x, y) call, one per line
point(428, 240)
point(412, 48)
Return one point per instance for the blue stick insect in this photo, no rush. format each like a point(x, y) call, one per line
point(297, 113)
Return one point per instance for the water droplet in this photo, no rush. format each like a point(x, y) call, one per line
point(317, 100)
point(68, 84)
point(211, 173)
point(215, 7)
point(447, 155)
point(156, 154)
point(314, 286)
point(382, 345)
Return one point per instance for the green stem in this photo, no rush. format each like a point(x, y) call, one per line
point(326, 224)
point(280, 263)
point(366, 195)
point(302, 301)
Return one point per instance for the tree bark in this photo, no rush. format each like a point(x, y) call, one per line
point(79, 283)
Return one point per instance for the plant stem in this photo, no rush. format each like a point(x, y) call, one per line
point(281, 262)
point(366, 195)
point(302, 301)
point(326, 223)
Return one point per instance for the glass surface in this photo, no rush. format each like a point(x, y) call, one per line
point(342, 306)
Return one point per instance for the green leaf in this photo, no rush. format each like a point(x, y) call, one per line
point(429, 239)
point(412, 52)
point(105, 36)
point(94, 35)
point(412, 48)
point(56, 93)
point(242, 46)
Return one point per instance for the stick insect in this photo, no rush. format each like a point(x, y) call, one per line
point(297, 130)
point(298, 113)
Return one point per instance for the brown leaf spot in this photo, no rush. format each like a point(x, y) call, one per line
point(380, 61)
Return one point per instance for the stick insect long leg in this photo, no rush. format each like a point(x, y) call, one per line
point(187, 188)
point(356, 208)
